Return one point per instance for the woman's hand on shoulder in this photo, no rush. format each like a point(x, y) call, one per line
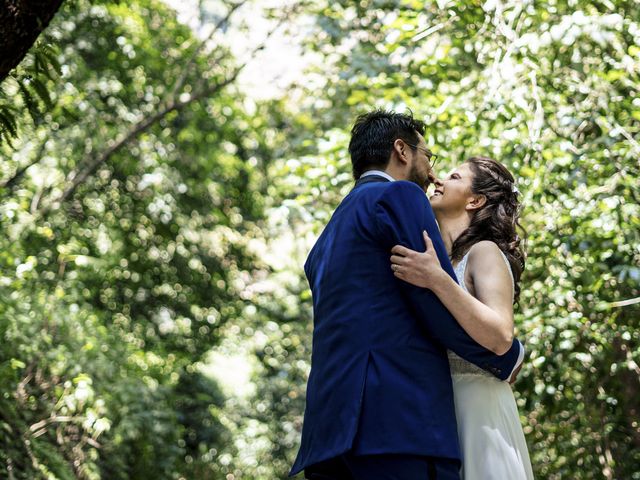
point(421, 269)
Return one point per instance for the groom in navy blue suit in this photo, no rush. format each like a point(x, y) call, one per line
point(379, 396)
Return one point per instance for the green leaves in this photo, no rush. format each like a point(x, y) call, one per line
point(152, 213)
point(113, 299)
point(28, 87)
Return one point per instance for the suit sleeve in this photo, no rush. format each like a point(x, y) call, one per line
point(402, 213)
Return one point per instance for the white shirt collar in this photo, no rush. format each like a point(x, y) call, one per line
point(379, 173)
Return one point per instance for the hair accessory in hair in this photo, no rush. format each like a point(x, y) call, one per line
point(514, 189)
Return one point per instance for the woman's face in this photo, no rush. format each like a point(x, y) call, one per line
point(453, 192)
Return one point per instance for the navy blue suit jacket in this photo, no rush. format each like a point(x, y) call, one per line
point(380, 380)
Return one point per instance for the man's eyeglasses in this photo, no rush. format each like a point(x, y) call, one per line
point(431, 157)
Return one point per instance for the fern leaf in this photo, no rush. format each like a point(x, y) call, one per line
point(42, 92)
point(8, 123)
point(32, 105)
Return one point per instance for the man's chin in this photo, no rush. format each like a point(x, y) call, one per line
point(416, 182)
point(422, 182)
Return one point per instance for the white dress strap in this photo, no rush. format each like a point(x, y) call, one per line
point(460, 269)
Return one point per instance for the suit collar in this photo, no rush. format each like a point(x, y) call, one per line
point(380, 173)
point(370, 179)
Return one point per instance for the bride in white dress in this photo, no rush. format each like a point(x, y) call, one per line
point(477, 209)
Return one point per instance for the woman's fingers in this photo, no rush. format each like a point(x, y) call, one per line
point(414, 267)
point(397, 259)
point(405, 252)
point(427, 241)
point(400, 250)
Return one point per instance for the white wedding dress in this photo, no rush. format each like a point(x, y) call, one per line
point(492, 443)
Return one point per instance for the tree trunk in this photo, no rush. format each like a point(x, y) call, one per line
point(21, 21)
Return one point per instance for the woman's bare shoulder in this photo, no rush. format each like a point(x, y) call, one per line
point(485, 255)
point(484, 247)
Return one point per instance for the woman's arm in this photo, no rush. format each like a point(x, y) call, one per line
point(488, 319)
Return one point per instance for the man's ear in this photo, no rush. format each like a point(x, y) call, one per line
point(401, 150)
point(476, 202)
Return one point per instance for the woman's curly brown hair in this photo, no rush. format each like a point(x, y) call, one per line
point(498, 219)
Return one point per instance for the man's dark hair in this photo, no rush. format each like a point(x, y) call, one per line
point(372, 138)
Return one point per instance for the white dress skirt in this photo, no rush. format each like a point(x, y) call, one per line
point(492, 443)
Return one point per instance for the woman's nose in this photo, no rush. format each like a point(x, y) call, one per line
point(437, 182)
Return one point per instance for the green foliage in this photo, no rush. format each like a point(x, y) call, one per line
point(150, 218)
point(113, 296)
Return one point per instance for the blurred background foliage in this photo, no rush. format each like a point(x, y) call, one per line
point(155, 215)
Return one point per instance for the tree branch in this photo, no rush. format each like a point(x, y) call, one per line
point(12, 181)
point(79, 175)
point(185, 68)
point(39, 428)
